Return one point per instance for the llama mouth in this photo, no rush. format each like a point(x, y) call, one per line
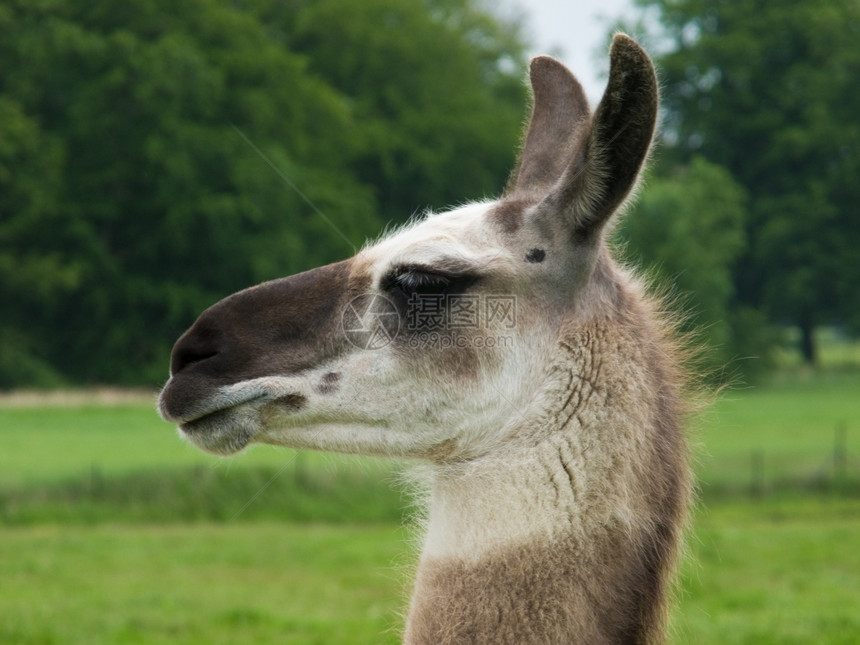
point(190, 407)
point(223, 423)
point(206, 421)
point(223, 432)
point(216, 414)
point(234, 417)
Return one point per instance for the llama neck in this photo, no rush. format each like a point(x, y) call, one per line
point(510, 557)
point(479, 507)
point(564, 534)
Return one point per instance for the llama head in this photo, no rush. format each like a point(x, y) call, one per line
point(426, 342)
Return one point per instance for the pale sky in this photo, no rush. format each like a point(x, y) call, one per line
point(573, 31)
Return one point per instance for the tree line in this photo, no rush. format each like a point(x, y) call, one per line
point(767, 92)
point(155, 156)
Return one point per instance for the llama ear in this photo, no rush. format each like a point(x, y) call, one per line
point(604, 168)
point(559, 113)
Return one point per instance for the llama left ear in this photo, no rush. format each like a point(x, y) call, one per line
point(559, 116)
point(604, 168)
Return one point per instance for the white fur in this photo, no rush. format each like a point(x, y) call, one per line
point(377, 408)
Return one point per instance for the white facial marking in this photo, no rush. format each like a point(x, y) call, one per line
point(409, 397)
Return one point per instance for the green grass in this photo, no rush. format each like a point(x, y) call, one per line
point(40, 444)
point(793, 415)
point(113, 530)
point(87, 463)
point(758, 574)
point(305, 491)
point(791, 425)
point(772, 573)
point(44, 443)
point(252, 583)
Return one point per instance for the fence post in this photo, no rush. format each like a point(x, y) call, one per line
point(757, 473)
point(840, 452)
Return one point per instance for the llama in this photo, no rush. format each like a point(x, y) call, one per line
point(548, 428)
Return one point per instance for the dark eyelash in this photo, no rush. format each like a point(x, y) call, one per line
point(409, 281)
point(423, 283)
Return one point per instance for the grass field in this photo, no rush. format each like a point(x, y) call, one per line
point(112, 439)
point(244, 583)
point(792, 427)
point(112, 530)
point(758, 574)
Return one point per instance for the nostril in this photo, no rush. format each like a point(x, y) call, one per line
point(191, 349)
point(201, 342)
point(185, 358)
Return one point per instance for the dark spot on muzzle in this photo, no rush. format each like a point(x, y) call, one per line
point(290, 402)
point(328, 383)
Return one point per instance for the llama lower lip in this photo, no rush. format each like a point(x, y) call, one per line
point(218, 411)
point(206, 423)
point(220, 432)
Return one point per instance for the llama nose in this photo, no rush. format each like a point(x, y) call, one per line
point(194, 346)
point(186, 357)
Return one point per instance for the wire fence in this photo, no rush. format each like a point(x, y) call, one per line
point(760, 473)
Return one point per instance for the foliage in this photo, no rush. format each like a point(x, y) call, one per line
point(413, 71)
point(31, 271)
point(769, 91)
point(133, 195)
point(687, 229)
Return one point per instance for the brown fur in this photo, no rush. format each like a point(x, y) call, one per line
point(560, 593)
point(509, 214)
point(605, 579)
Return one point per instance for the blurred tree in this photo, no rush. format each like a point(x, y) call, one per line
point(133, 193)
point(769, 90)
point(33, 269)
point(436, 87)
point(687, 229)
point(158, 207)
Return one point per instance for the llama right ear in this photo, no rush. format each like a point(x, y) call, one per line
point(609, 153)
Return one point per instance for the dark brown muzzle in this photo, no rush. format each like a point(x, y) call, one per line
point(277, 328)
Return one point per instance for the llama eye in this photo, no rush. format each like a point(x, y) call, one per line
point(410, 282)
point(421, 283)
